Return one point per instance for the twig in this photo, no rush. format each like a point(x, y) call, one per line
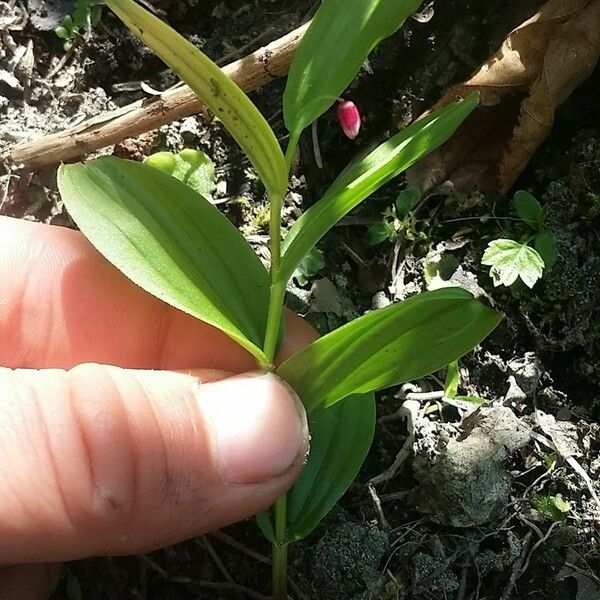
point(536, 546)
point(212, 585)
point(531, 525)
point(425, 396)
point(393, 496)
point(543, 476)
point(250, 72)
point(218, 562)
point(61, 63)
point(410, 409)
point(583, 572)
point(572, 462)
point(517, 567)
point(356, 258)
point(377, 502)
point(586, 478)
point(4, 188)
point(154, 565)
point(462, 588)
point(227, 539)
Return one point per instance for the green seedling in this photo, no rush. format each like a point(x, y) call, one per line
point(171, 241)
point(87, 14)
point(555, 508)
point(525, 260)
point(399, 222)
point(452, 383)
point(309, 266)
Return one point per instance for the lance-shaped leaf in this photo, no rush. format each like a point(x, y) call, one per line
point(340, 37)
point(389, 346)
point(340, 438)
point(171, 242)
point(239, 115)
point(360, 180)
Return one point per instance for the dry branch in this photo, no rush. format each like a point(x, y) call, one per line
point(250, 73)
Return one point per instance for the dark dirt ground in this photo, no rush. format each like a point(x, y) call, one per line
point(461, 518)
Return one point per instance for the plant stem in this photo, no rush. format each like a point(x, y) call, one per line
point(280, 550)
point(277, 287)
point(291, 149)
point(273, 320)
point(276, 298)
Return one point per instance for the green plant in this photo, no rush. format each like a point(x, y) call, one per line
point(399, 222)
point(172, 242)
point(555, 508)
point(452, 383)
point(511, 260)
point(192, 167)
point(87, 14)
point(309, 266)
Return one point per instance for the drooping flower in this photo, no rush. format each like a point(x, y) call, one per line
point(349, 118)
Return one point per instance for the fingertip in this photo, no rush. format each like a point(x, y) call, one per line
point(103, 460)
point(256, 426)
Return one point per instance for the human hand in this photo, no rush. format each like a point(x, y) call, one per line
point(107, 460)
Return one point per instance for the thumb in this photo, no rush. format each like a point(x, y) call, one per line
point(103, 460)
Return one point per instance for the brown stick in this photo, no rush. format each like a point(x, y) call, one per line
point(249, 73)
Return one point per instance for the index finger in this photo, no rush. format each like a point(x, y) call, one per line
point(62, 304)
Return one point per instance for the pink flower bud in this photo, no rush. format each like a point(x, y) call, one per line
point(349, 118)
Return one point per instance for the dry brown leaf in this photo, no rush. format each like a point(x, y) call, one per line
point(539, 65)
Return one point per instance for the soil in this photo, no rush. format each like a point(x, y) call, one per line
point(469, 514)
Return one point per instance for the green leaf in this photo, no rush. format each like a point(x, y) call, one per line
point(95, 15)
point(62, 32)
point(265, 522)
point(552, 507)
point(81, 15)
point(341, 36)
point(389, 346)
point(224, 98)
point(545, 244)
point(87, 13)
point(510, 260)
point(309, 266)
point(407, 199)
point(528, 208)
point(439, 269)
point(380, 232)
point(192, 167)
point(452, 380)
point(171, 242)
point(341, 436)
point(362, 179)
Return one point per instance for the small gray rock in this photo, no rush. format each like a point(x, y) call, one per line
point(467, 483)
